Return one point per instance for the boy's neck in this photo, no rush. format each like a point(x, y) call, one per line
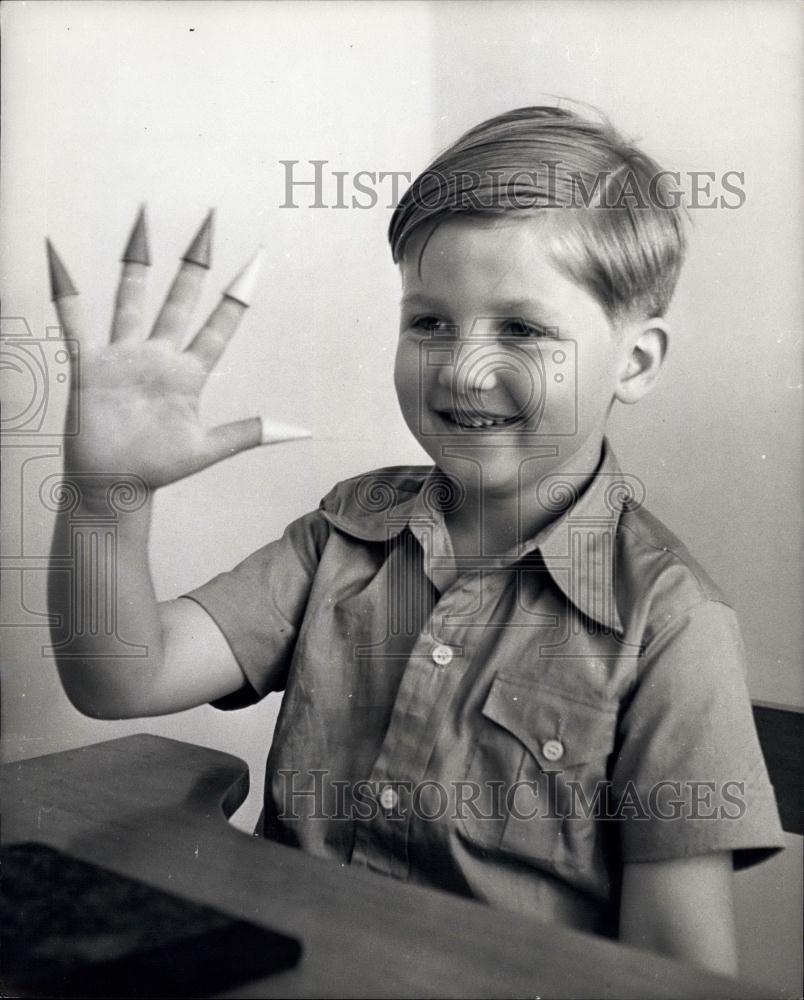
point(493, 524)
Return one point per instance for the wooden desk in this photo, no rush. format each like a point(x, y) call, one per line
point(154, 809)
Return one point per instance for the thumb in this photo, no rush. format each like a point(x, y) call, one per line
point(229, 439)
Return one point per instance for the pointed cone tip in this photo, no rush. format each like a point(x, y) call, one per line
point(274, 432)
point(243, 287)
point(200, 249)
point(61, 284)
point(137, 251)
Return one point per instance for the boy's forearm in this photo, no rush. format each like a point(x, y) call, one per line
point(107, 635)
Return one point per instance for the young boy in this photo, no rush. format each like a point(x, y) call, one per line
point(502, 676)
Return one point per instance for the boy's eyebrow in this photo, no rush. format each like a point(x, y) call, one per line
point(415, 298)
point(521, 307)
point(505, 307)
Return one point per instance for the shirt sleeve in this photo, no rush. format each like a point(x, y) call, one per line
point(259, 606)
point(689, 777)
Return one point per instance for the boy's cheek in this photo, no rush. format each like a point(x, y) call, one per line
point(406, 383)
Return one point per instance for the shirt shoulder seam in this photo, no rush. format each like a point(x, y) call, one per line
point(708, 589)
point(685, 611)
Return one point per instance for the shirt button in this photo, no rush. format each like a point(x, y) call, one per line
point(442, 655)
point(388, 798)
point(553, 749)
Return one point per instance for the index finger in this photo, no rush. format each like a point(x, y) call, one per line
point(212, 339)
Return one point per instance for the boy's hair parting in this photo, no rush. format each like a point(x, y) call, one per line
point(624, 240)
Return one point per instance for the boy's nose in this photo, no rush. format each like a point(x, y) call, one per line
point(469, 380)
point(470, 369)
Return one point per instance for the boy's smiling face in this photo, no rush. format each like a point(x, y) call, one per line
point(503, 361)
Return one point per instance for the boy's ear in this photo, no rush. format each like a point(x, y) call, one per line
point(643, 356)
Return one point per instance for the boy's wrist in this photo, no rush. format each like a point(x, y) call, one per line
point(97, 496)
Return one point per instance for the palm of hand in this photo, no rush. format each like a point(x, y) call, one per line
point(138, 412)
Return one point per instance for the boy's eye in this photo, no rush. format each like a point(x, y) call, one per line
point(428, 324)
point(519, 328)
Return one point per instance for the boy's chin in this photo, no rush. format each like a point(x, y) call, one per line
point(492, 472)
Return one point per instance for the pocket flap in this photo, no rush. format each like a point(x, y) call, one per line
point(557, 730)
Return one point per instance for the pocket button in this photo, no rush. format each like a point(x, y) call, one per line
point(553, 750)
point(442, 655)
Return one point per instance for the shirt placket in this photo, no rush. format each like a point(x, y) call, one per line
point(435, 667)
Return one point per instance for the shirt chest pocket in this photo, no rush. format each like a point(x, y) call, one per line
point(537, 777)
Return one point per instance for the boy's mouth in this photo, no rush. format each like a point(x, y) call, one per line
point(476, 421)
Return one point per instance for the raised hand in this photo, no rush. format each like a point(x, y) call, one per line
point(137, 398)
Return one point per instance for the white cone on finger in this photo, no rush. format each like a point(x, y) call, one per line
point(273, 432)
point(244, 285)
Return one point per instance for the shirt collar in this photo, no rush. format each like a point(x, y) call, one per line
point(376, 506)
point(578, 548)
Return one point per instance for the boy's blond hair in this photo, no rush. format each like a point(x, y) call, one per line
point(624, 238)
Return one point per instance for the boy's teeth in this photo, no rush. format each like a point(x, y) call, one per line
point(476, 422)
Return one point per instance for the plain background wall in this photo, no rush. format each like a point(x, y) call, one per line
point(194, 104)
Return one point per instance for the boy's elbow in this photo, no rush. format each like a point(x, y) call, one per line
point(97, 698)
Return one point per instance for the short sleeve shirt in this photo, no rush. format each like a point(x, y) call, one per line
point(511, 728)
